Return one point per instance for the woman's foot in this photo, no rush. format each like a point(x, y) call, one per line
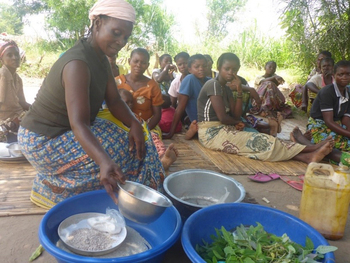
point(298, 137)
point(308, 135)
point(273, 126)
point(279, 121)
point(192, 130)
point(320, 153)
point(169, 156)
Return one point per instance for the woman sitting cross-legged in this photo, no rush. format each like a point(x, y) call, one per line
point(220, 126)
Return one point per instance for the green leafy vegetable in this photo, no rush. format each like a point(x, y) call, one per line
point(255, 245)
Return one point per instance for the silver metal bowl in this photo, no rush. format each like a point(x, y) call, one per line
point(141, 203)
point(193, 189)
point(15, 150)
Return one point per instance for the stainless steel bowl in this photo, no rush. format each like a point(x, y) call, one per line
point(141, 203)
point(193, 189)
point(15, 150)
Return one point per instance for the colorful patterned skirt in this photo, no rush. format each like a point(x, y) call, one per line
point(259, 146)
point(273, 100)
point(320, 131)
point(65, 170)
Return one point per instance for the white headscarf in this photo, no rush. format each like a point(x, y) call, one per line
point(114, 8)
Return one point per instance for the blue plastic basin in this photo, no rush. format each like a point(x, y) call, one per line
point(200, 225)
point(161, 234)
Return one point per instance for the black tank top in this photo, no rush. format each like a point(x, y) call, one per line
point(48, 114)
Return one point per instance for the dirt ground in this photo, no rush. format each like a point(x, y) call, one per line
point(19, 234)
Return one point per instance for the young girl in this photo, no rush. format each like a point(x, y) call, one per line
point(220, 126)
point(188, 94)
point(147, 101)
point(272, 98)
point(319, 80)
point(181, 60)
point(165, 75)
point(330, 112)
point(12, 100)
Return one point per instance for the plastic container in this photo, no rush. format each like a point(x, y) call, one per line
point(325, 199)
point(201, 224)
point(161, 234)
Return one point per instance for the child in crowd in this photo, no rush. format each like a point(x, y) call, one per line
point(181, 60)
point(330, 111)
point(147, 101)
point(316, 70)
point(210, 73)
point(12, 101)
point(319, 80)
point(188, 94)
point(273, 101)
point(165, 75)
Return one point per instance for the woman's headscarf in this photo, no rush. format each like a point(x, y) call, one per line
point(4, 45)
point(114, 8)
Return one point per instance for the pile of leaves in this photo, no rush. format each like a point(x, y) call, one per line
point(254, 244)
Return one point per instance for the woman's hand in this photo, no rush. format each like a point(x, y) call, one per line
point(110, 175)
point(240, 126)
point(137, 138)
point(170, 68)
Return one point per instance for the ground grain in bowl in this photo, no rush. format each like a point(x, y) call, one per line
point(89, 240)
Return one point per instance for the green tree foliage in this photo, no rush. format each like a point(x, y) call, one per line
point(69, 18)
point(152, 27)
point(220, 14)
point(10, 22)
point(315, 25)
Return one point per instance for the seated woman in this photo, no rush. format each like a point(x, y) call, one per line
point(147, 101)
point(330, 111)
point(181, 60)
point(318, 81)
point(165, 75)
point(221, 128)
point(188, 94)
point(71, 149)
point(272, 98)
point(316, 70)
point(12, 101)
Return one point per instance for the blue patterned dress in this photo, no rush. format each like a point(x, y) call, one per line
point(64, 169)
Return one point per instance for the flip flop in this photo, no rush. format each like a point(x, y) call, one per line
point(263, 178)
point(295, 184)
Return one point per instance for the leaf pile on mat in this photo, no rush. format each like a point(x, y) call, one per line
point(254, 244)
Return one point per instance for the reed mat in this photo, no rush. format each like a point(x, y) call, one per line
point(16, 181)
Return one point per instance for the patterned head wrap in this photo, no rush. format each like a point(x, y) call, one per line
point(4, 45)
point(114, 8)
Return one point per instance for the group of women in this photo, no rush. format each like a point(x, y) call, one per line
point(76, 147)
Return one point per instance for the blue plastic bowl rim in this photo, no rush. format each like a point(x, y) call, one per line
point(179, 173)
point(191, 252)
point(69, 257)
